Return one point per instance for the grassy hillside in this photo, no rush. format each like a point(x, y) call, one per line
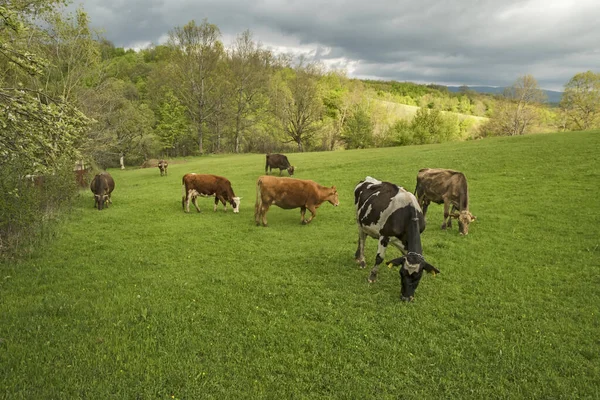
point(144, 301)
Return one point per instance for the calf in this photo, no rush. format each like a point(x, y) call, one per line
point(102, 186)
point(291, 193)
point(162, 166)
point(278, 161)
point(448, 187)
point(194, 185)
point(392, 215)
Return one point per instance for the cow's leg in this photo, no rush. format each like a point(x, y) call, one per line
point(446, 213)
point(263, 212)
point(452, 210)
point(425, 206)
point(257, 208)
point(302, 213)
point(195, 202)
point(359, 256)
point(383, 242)
point(313, 213)
point(280, 171)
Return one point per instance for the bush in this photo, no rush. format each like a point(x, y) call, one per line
point(28, 202)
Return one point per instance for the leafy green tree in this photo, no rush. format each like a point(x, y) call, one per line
point(432, 126)
point(172, 124)
point(39, 132)
point(517, 110)
point(358, 131)
point(298, 105)
point(581, 101)
point(123, 123)
point(197, 61)
point(249, 66)
point(70, 46)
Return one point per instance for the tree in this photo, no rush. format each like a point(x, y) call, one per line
point(197, 61)
point(517, 110)
point(358, 131)
point(298, 105)
point(123, 124)
point(249, 70)
point(581, 101)
point(39, 132)
point(172, 123)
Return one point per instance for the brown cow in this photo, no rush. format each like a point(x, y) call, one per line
point(291, 193)
point(278, 161)
point(449, 187)
point(162, 166)
point(102, 186)
point(194, 185)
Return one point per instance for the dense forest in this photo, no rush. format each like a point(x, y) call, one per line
point(70, 96)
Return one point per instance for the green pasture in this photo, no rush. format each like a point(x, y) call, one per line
point(144, 301)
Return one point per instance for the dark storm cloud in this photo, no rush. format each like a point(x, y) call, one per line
point(449, 42)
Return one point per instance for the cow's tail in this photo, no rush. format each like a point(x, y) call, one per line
point(183, 193)
point(258, 204)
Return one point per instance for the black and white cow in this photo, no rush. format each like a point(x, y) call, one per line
point(390, 214)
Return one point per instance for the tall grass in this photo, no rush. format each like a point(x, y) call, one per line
point(144, 301)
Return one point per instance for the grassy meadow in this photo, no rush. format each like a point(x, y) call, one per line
point(144, 301)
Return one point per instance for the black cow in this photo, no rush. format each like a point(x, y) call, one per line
point(390, 214)
point(278, 161)
point(102, 186)
point(162, 166)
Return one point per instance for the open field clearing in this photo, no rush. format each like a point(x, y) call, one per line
point(141, 300)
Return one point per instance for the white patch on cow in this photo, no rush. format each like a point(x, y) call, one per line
point(400, 200)
point(237, 204)
point(411, 268)
point(370, 179)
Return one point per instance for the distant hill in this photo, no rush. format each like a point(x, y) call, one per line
point(553, 96)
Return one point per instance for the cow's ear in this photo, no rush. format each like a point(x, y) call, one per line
point(396, 262)
point(430, 268)
point(334, 188)
point(455, 215)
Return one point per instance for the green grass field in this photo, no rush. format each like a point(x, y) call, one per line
point(144, 301)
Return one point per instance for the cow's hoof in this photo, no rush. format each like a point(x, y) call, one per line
point(361, 263)
point(444, 226)
point(304, 222)
point(372, 278)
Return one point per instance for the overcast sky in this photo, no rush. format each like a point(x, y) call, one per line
point(452, 42)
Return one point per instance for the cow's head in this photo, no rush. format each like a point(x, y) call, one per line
point(290, 170)
point(235, 204)
point(464, 219)
point(333, 196)
point(100, 199)
point(412, 266)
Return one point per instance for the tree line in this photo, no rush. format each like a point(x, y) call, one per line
point(68, 94)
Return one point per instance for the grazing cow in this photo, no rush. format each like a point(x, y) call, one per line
point(162, 166)
point(448, 187)
point(291, 193)
point(194, 185)
point(390, 214)
point(102, 186)
point(278, 161)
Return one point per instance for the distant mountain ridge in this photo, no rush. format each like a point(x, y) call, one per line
point(553, 96)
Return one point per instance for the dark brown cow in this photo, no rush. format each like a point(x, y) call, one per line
point(278, 161)
point(291, 193)
point(194, 185)
point(449, 187)
point(102, 186)
point(162, 166)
